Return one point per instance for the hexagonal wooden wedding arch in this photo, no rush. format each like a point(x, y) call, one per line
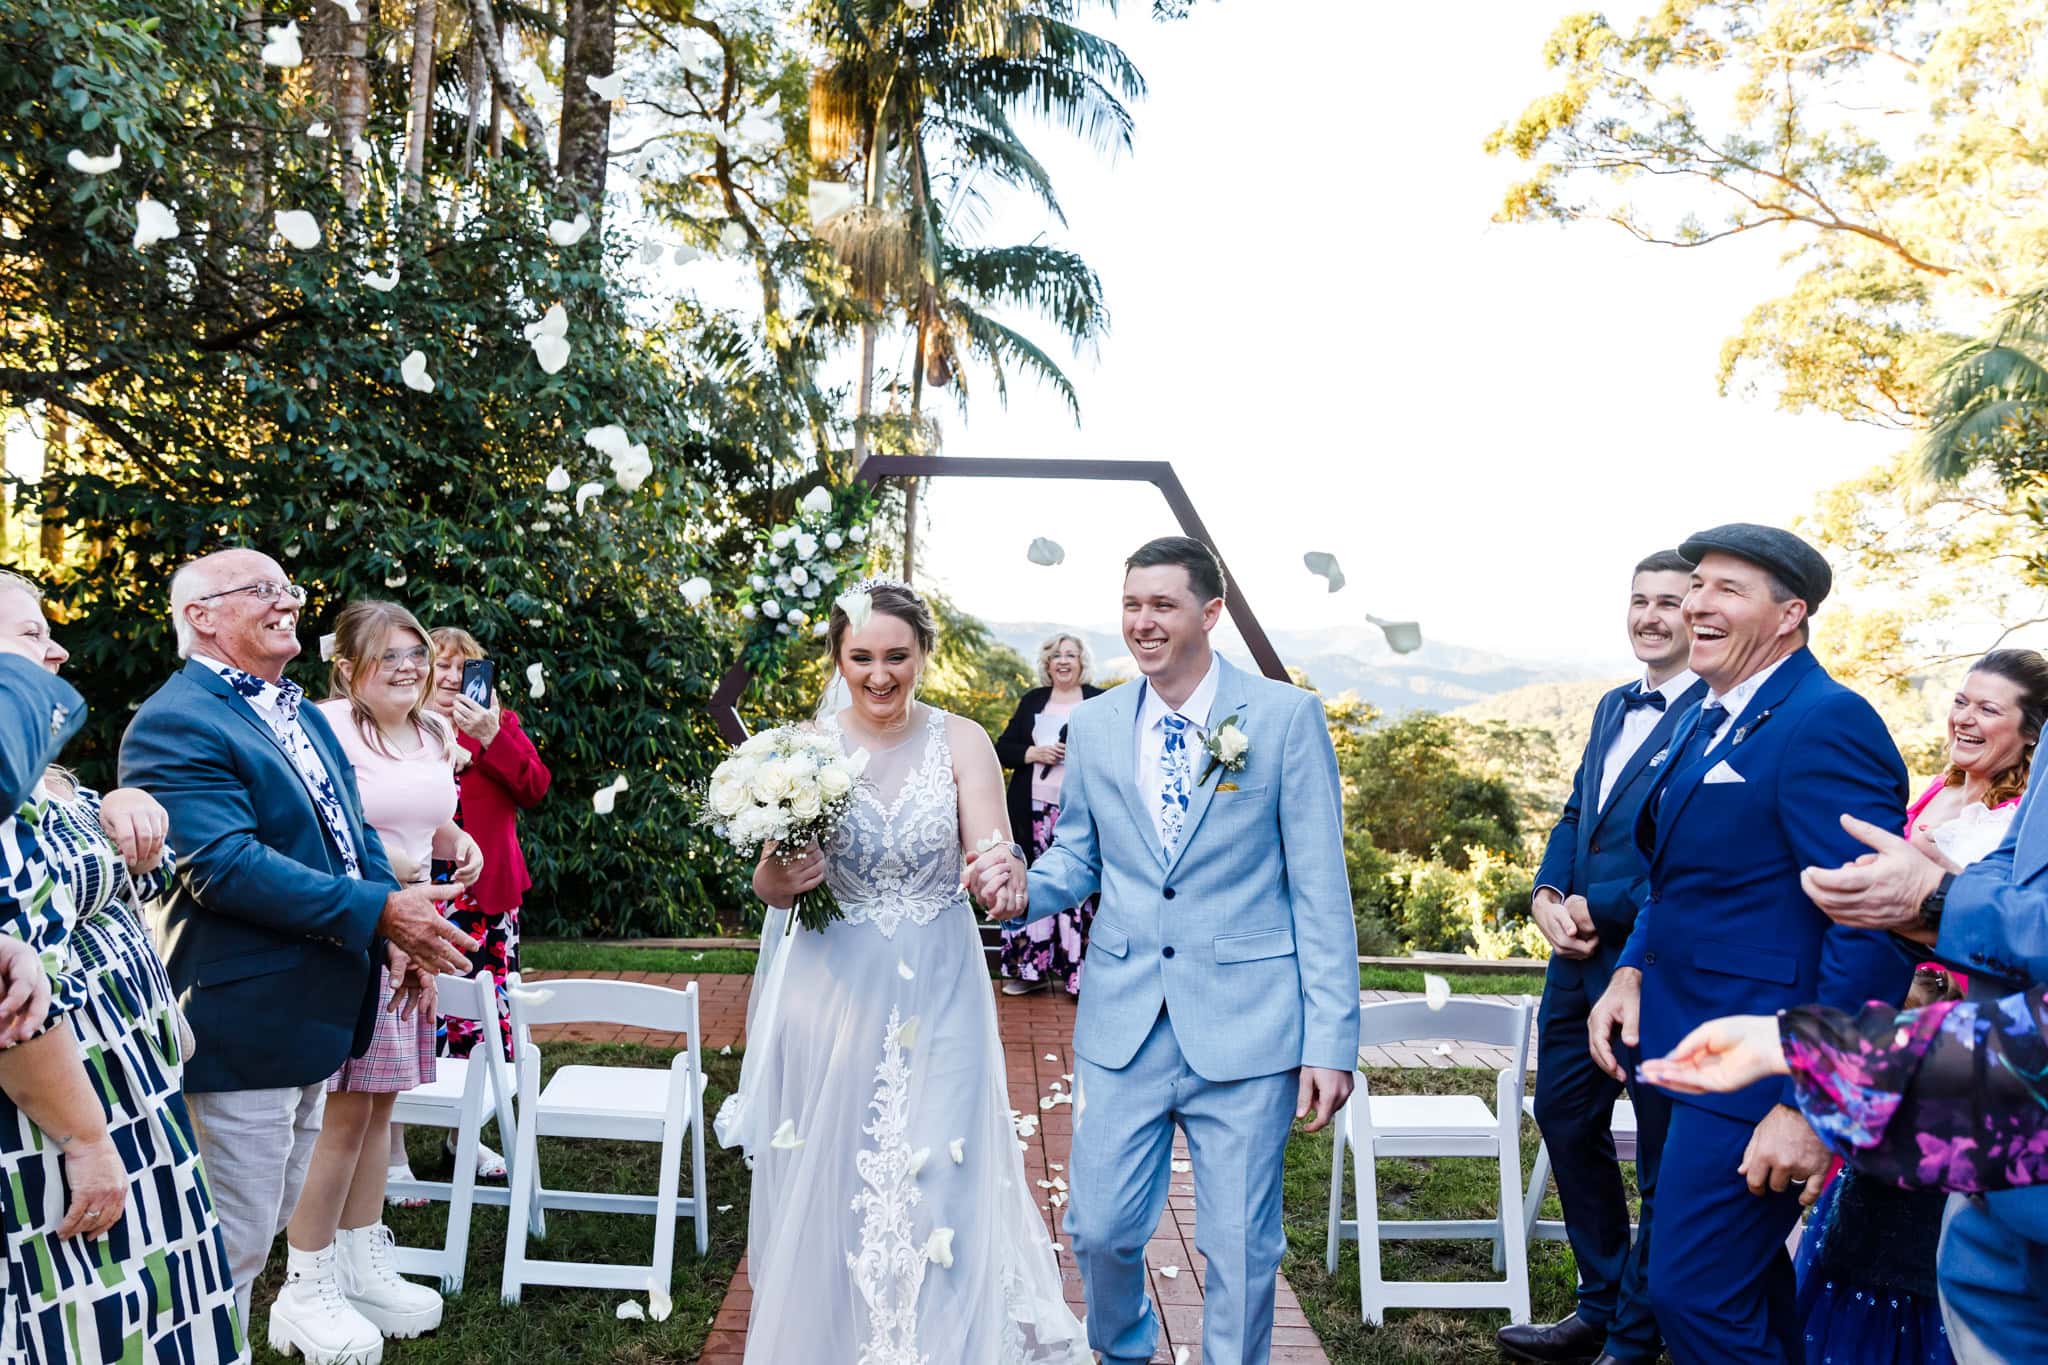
point(1158, 473)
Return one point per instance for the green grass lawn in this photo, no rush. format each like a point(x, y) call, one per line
point(1447, 1188)
point(555, 1325)
point(560, 956)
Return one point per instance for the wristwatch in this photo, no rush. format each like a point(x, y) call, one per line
point(1931, 908)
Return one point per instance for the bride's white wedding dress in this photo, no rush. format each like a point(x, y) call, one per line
point(892, 1223)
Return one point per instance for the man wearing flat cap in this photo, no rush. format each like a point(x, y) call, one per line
point(1752, 792)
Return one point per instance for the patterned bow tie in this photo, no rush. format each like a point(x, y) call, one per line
point(1636, 696)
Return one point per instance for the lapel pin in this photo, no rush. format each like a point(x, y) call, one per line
point(1657, 759)
point(1743, 732)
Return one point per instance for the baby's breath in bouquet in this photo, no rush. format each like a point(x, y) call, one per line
point(786, 786)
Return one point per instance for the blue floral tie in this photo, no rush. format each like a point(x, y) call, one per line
point(1173, 787)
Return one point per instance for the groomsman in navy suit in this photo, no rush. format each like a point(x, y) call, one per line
point(1758, 778)
point(1591, 882)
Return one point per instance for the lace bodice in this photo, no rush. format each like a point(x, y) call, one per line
point(896, 855)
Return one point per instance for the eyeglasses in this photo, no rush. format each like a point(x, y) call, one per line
point(266, 590)
point(417, 656)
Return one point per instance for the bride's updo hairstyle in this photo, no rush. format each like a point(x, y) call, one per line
point(885, 597)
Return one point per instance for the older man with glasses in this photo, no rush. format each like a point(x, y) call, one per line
point(283, 909)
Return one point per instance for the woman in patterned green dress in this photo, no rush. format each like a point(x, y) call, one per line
point(113, 1252)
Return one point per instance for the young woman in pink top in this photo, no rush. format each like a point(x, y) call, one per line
point(380, 679)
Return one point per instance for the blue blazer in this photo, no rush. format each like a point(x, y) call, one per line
point(271, 945)
point(39, 713)
point(1995, 927)
point(1726, 928)
point(1592, 850)
point(1245, 935)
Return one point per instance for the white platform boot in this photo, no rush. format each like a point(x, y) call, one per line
point(312, 1317)
point(375, 1289)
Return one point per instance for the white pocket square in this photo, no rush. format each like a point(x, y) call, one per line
point(1721, 772)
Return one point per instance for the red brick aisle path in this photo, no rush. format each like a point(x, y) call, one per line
point(1035, 1028)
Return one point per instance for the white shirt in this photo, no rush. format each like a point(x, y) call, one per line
point(278, 704)
point(1636, 724)
point(1738, 697)
point(1152, 710)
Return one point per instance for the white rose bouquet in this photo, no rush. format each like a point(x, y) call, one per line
point(786, 786)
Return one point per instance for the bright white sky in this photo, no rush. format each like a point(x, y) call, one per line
point(1317, 321)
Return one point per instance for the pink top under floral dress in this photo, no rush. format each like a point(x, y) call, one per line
point(405, 799)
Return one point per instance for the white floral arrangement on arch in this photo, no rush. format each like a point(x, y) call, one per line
point(793, 580)
point(787, 788)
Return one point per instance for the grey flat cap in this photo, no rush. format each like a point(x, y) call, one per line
point(1798, 565)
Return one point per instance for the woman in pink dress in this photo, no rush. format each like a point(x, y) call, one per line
point(1866, 1264)
point(380, 680)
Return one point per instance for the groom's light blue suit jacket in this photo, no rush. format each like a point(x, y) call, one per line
point(1245, 936)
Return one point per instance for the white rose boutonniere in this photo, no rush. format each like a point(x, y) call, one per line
point(1227, 746)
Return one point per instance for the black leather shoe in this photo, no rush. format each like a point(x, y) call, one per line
point(1569, 1342)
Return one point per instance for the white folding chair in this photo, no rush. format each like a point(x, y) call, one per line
point(1540, 1229)
point(1370, 1127)
point(464, 1091)
point(621, 1103)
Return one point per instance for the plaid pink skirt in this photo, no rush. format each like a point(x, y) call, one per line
point(401, 1053)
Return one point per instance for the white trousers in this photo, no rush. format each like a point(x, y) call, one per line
point(256, 1145)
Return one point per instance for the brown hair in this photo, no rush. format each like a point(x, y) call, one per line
point(899, 600)
point(1204, 569)
point(2028, 671)
point(360, 635)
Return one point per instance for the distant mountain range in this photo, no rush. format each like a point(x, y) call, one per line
point(1437, 677)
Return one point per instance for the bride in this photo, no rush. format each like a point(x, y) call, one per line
point(891, 1221)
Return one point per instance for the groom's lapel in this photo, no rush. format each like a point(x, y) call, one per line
point(1230, 700)
point(1124, 754)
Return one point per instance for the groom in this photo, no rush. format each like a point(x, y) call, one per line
point(1222, 977)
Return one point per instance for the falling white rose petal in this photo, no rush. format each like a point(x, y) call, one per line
point(1170, 1272)
point(557, 480)
point(829, 199)
point(1046, 552)
point(918, 1159)
point(553, 323)
point(785, 1139)
point(297, 227)
point(571, 232)
point(318, 128)
point(957, 1149)
point(536, 682)
point(659, 1304)
point(1435, 990)
point(906, 1036)
point(585, 493)
point(1324, 565)
point(1403, 637)
point(725, 1051)
point(1442, 1049)
point(725, 1208)
point(632, 467)
point(684, 254)
point(361, 151)
point(413, 370)
point(383, 284)
point(1180, 1355)
point(939, 1248)
point(526, 996)
point(350, 8)
point(283, 48)
point(919, 5)
point(695, 591)
point(818, 501)
point(94, 165)
point(1183, 1167)
point(650, 252)
point(904, 970)
point(1052, 1056)
point(153, 223)
point(732, 237)
point(630, 1309)
point(608, 87)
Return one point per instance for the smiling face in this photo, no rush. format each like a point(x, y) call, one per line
point(447, 680)
point(392, 680)
point(1064, 664)
point(1167, 629)
point(1984, 725)
point(21, 618)
point(240, 628)
point(880, 663)
point(1738, 629)
point(1656, 621)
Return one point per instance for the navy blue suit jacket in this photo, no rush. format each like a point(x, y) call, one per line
point(1727, 928)
point(1592, 850)
point(271, 945)
point(39, 713)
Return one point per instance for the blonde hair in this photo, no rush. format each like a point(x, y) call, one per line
point(445, 638)
point(1052, 647)
point(361, 633)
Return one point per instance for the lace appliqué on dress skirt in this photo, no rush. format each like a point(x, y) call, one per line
point(889, 1269)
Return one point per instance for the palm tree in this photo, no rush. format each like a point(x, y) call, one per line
point(1991, 399)
point(923, 100)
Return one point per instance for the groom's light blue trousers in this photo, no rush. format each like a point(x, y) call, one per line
point(1122, 1166)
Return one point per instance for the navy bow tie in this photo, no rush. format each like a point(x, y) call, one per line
point(1637, 697)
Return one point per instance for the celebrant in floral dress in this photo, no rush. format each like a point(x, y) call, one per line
point(1034, 747)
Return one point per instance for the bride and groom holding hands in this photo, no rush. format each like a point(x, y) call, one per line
point(891, 1218)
